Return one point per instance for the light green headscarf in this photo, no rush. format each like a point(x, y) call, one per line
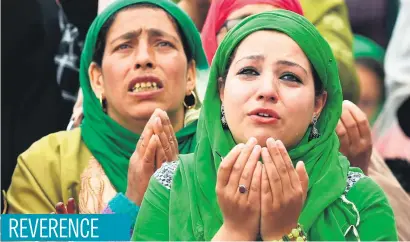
point(189, 210)
point(110, 143)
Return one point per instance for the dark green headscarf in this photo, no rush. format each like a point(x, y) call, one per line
point(110, 143)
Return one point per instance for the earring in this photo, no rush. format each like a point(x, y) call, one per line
point(190, 101)
point(102, 102)
point(223, 119)
point(314, 132)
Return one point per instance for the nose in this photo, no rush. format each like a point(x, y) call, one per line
point(145, 57)
point(268, 89)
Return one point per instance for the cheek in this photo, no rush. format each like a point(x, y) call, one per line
point(174, 66)
point(298, 104)
point(114, 74)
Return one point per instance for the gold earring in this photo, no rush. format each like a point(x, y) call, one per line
point(101, 100)
point(190, 100)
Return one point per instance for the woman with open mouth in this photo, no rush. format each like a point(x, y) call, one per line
point(138, 76)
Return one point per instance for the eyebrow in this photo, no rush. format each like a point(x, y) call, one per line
point(252, 57)
point(131, 35)
point(290, 63)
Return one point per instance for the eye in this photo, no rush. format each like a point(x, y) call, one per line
point(122, 47)
point(248, 71)
point(165, 44)
point(290, 77)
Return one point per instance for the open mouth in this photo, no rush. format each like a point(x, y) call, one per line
point(264, 115)
point(145, 84)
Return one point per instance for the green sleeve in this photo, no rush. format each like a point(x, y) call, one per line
point(153, 217)
point(377, 221)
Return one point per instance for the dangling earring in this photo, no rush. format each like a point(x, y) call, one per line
point(314, 132)
point(102, 103)
point(190, 101)
point(223, 119)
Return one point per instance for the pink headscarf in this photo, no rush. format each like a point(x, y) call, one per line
point(219, 12)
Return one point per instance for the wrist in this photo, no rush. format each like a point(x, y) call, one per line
point(232, 232)
point(296, 234)
point(133, 196)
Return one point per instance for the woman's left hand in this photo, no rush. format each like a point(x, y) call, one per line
point(284, 191)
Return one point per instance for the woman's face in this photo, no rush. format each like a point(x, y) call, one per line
point(370, 91)
point(236, 16)
point(269, 90)
point(144, 67)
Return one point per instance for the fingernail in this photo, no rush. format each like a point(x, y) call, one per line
point(270, 142)
point(257, 148)
point(279, 143)
point(251, 141)
point(158, 120)
point(241, 146)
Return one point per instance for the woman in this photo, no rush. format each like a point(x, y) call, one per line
point(369, 58)
point(330, 18)
point(136, 58)
point(270, 70)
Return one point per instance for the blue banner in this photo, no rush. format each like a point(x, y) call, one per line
point(64, 227)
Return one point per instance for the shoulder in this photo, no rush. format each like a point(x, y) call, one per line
point(52, 150)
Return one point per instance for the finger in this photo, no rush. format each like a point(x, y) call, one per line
point(303, 177)
point(350, 125)
point(60, 208)
point(275, 184)
point(254, 196)
point(266, 194)
point(280, 165)
point(169, 133)
point(145, 136)
point(149, 156)
point(71, 206)
point(362, 122)
point(159, 131)
point(293, 177)
point(240, 164)
point(343, 137)
point(160, 156)
point(249, 169)
point(225, 167)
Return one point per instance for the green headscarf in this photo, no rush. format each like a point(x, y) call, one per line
point(110, 143)
point(187, 208)
point(364, 47)
point(325, 167)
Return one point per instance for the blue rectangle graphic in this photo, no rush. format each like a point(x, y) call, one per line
point(63, 227)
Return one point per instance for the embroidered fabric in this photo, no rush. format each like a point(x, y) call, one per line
point(165, 174)
point(352, 178)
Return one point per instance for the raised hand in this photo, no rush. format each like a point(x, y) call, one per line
point(147, 157)
point(354, 134)
point(63, 209)
point(284, 190)
point(238, 191)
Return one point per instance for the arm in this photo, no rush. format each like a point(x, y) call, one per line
point(377, 222)
point(35, 182)
point(331, 19)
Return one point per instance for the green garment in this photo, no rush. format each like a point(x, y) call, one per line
point(110, 143)
point(187, 208)
point(331, 18)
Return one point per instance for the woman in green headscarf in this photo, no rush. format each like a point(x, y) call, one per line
point(369, 65)
point(139, 55)
point(276, 78)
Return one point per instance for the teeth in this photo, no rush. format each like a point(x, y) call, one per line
point(154, 84)
point(142, 84)
point(264, 114)
point(143, 89)
point(148, 84)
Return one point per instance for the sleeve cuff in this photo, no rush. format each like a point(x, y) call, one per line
point(120, 204)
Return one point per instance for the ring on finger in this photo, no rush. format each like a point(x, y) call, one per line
point(242, 189)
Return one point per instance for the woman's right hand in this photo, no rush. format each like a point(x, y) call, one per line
point(241, 211)
point(150, 154)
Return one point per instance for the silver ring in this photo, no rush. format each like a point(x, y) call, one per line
point(242, 189)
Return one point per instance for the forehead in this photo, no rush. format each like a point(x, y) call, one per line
point(142, 18)
point(273, 45)
point(251, 9)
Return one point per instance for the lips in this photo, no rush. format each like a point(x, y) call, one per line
point(264, 113)
point(145, 84)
